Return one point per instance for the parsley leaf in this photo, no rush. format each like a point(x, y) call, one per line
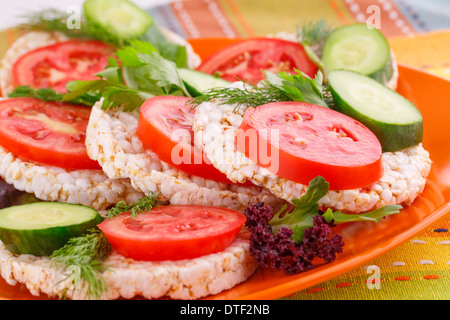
point(306, 207)
point(375, 216)
point(299, 87)
point(146, 70)
point(168, 50)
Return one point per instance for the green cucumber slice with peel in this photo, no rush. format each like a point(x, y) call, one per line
point(396, 122)
point(121, 18)
point(356, 47)
point(197, 82)
point(42, 227)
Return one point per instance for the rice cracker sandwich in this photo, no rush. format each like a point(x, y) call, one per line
point(57, 250)
point(366, 168)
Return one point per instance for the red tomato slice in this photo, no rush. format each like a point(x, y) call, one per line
point(173, 232)
point(312, 141)
point(165, 127)
point(54, 65)
point(51, 133)
point(245, 59)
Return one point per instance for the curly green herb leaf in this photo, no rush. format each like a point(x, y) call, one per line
point(306, 207)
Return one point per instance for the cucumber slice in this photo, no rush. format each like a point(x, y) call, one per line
point(42, 227)
point(357, 48)
point(118, 17)
point(396, 122)
point(197, 82)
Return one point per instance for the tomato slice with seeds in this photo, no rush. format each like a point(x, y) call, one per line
point(173, 232)
point(54, 65)
point(303, 141)
point(165, 127)
point(245, 59)
point(51, 133)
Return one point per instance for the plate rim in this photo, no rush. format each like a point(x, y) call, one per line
point(349, 264)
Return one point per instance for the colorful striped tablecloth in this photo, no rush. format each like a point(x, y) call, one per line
point(419, 33)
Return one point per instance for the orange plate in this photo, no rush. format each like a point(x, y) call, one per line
point(364, 241)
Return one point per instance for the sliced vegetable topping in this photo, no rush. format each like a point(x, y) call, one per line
point(173, 232)
point(89, 251)
point(278, 87)
point(120, 17)
point(52, 133)
point(245, 59)
point(54, 65)
point(111, 28)
point(392, 118)
point(42, 227)
point(358, 48)
point(306, 141)
point(165, 127)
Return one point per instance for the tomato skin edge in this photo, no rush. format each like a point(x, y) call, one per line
point(303, 170)
point(209, 64)
point(130, 246)
point(18, 73)
point(139, 250)
point(14, 143)
point(197, 164)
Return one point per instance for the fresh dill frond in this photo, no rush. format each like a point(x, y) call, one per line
point(313, 33)
point(142, 205)
point(83, 256)
point(274, 88)
point(245, 97)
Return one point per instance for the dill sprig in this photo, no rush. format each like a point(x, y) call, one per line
point(142, 205)
point(312, 36)
point(313, 33)
point(282, 86)
point(244, 97)
point(84, 256)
